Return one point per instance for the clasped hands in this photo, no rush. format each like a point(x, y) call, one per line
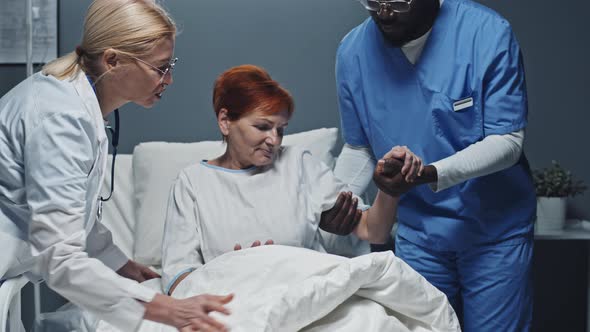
point(396, 173)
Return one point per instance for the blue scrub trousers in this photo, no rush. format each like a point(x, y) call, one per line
point(489, 286)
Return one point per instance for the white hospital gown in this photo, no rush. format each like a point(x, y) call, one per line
point(211, 209)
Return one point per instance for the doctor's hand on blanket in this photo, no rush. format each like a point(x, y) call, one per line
point(138, 272)
point(401, 170)
point(190, 314)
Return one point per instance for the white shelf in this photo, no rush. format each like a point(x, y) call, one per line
point(574, 230)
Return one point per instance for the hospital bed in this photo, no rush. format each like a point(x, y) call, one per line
point(136, 214)
point(142, 182)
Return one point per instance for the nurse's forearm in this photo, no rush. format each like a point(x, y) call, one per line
point(492, 154)
point(429, 175)
point(376, 222)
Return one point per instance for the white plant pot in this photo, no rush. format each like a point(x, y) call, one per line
point(551, 213)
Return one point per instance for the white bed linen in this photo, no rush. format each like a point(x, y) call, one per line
point(280, 288)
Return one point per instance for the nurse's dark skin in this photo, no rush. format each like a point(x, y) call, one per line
point(398, 29)
point(391, 181)
point(401, 28)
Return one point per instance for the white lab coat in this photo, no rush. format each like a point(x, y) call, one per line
point(53, 149)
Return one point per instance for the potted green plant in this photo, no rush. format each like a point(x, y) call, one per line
point(553, 186)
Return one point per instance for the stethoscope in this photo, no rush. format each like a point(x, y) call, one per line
point(114, 143)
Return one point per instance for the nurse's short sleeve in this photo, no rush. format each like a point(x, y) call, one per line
point(352, 129)
point(504, 87)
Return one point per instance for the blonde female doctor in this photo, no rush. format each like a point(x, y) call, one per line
point(53, 149)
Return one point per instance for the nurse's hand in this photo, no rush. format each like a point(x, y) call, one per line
point(412, 167)
point(343, 217)
point(389, 178)
point(255, 244)
point(138, 272)
point(190, 314)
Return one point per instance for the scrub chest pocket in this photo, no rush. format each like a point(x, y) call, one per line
point(457, 118)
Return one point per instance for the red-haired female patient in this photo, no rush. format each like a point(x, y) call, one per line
point(260, 192)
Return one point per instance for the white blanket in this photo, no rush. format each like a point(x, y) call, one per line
point(279, 288)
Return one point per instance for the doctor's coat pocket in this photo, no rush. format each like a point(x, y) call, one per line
point(457, 120)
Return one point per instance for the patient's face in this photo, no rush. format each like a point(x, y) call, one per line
point(255, 139)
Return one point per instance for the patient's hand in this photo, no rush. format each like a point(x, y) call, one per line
point(254, 244)
point(138, 272)
point(343, 217)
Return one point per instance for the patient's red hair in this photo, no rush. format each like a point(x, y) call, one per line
point(248, 88)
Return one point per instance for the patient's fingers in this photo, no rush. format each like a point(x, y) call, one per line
point(417, 169)
point(397, 152)
point(408, 162)
point(255, 243)
point(269, 242)
point(237, 247)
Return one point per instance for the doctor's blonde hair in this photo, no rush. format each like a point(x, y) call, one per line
point(130, 27)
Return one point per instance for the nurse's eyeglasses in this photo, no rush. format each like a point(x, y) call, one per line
point(394, 6)
point(163, 70)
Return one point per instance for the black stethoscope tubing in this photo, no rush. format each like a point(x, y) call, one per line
point(114, 144)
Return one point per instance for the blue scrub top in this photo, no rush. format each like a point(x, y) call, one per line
point(385, 101)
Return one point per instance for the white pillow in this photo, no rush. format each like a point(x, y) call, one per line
point(157, 164)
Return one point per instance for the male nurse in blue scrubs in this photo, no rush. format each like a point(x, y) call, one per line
point(446, 79)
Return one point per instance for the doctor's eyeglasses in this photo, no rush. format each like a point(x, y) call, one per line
point(163, 70)
point(395, 6)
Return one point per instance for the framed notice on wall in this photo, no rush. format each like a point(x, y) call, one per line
point(13, 31)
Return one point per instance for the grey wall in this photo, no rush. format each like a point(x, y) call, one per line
point(553, 39)
point(296, 41)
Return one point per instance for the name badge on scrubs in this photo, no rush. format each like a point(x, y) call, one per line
point(462, 104)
